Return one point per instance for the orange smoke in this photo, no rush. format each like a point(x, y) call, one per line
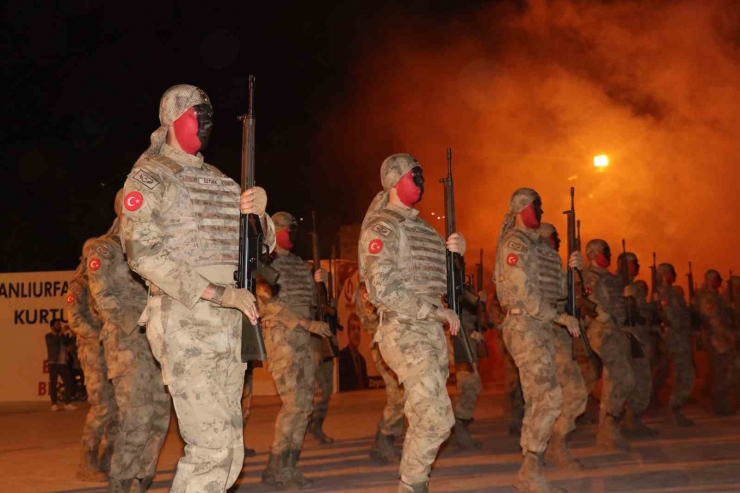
point(528, 98)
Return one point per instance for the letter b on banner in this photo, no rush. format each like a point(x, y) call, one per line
point(42, 388)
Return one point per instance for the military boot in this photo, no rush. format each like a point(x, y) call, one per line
point(383, 450)
point(558, 454)
point(316, 430)
point(529, 479)
point(292, 474)
point(120, 486)
point(271, 473)
point(676, 417)
point(89, 470)
point(634, 426)
point(609, 437)
point(140, 485)
point(462, 437)
point(413, 488)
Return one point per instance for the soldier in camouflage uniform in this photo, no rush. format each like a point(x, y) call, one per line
point(677, 321)
point(324, 386)
point(103, 413)
point(569, 376)
point(639, 400)
point(181, 233)
point(610, 342)
point(391, 422)
point(529, 285)
point(716, 319)
point(288, 324)
point(402, 262)
point(119, 296)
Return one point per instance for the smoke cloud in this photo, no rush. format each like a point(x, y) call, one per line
point(526, 96)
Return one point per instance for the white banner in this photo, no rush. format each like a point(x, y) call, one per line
point(28, 302)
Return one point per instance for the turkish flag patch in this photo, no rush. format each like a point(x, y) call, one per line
point(512, 259)
point(94, 263)
point(375, 246)
point(71, 298)
point(133, 200)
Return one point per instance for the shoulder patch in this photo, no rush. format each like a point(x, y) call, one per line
point(375, 246)
point(94, 264)
point(382, 230)
point(512, 259)
point(70, 298)
point(516, 246)
point(133, 200)
point(145, 179)
point(166, 163)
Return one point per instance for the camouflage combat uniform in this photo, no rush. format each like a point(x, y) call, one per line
point(324, 386)
point(716, 320)
point(678, 342)
point(181, 231)
point(391, 422)
point(512, 384)
point(102, 417)
point(143, 405)
point(612, 345)
point(285, 320)
point(402, 262)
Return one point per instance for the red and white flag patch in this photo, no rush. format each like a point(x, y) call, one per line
point(375, 246)
point(94, 263)
point(133, 200)
point(512, 259)
point(71, 298)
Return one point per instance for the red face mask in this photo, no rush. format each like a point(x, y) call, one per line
point(186, 131)
point(410, 187)
point(632, 269)
point(602, 261)
point(282, 238)
point(531, 217)
point(669, 278)
point(715, 283)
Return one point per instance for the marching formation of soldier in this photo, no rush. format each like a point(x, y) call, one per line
point(154, 304)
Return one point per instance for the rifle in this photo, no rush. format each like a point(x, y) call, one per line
point(250, 240)
point(693, 313)
point(455, 271)
point(633, 316)
point(324, 311)
point(581, 346)
point(657, 310)
point(481, 316)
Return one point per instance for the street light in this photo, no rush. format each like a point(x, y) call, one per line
point(601, 161)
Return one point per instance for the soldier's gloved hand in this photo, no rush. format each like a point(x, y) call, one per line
point(476, 336)
point(321, 276)
point(570, 323)
point(447, 315)
point(319, 328)
point(253, 201)
point(576, 260)
point(456, 243)
point(242, 300)
point(629, 291)
point(483, 296)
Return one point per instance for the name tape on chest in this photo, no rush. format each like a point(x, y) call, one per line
point(202, 180)
point(145, 179)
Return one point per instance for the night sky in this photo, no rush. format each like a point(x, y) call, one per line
point(83, 82)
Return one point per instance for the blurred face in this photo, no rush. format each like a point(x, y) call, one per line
point(57, 327)
point(604, 258)
point(193, 128)
point(670, 277)
point(633, 268)
point(554, 241)
point(286, 237)
point(715, 283)
point(410, 188)
point(354, 333)
point(532, 214)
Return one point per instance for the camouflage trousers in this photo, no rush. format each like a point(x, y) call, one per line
point(199, 350)
point(681, 355)
point(467, 382)
point(247, 396)
point(291, 364)
point(391, 422)
point(143, 406)
point(571, 383)
point(723, 362)
point(417, 353)
point(639, 399)
point(532, 345)
point(102, 418)
point(613, 348)
point(324, 380)
point(512, 384)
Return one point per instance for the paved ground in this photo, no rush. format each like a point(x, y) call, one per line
point(39, 453)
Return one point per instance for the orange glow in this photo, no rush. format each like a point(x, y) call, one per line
point(601, 161)
point(529, 97)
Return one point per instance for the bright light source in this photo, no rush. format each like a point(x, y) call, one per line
point(601, 161)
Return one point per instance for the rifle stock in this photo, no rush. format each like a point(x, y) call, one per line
point(324, 311)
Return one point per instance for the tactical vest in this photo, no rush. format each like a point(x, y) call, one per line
point(296, 283)
point(544, 271)
point(614, 303)
point(200, 217)
point(422, 264)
